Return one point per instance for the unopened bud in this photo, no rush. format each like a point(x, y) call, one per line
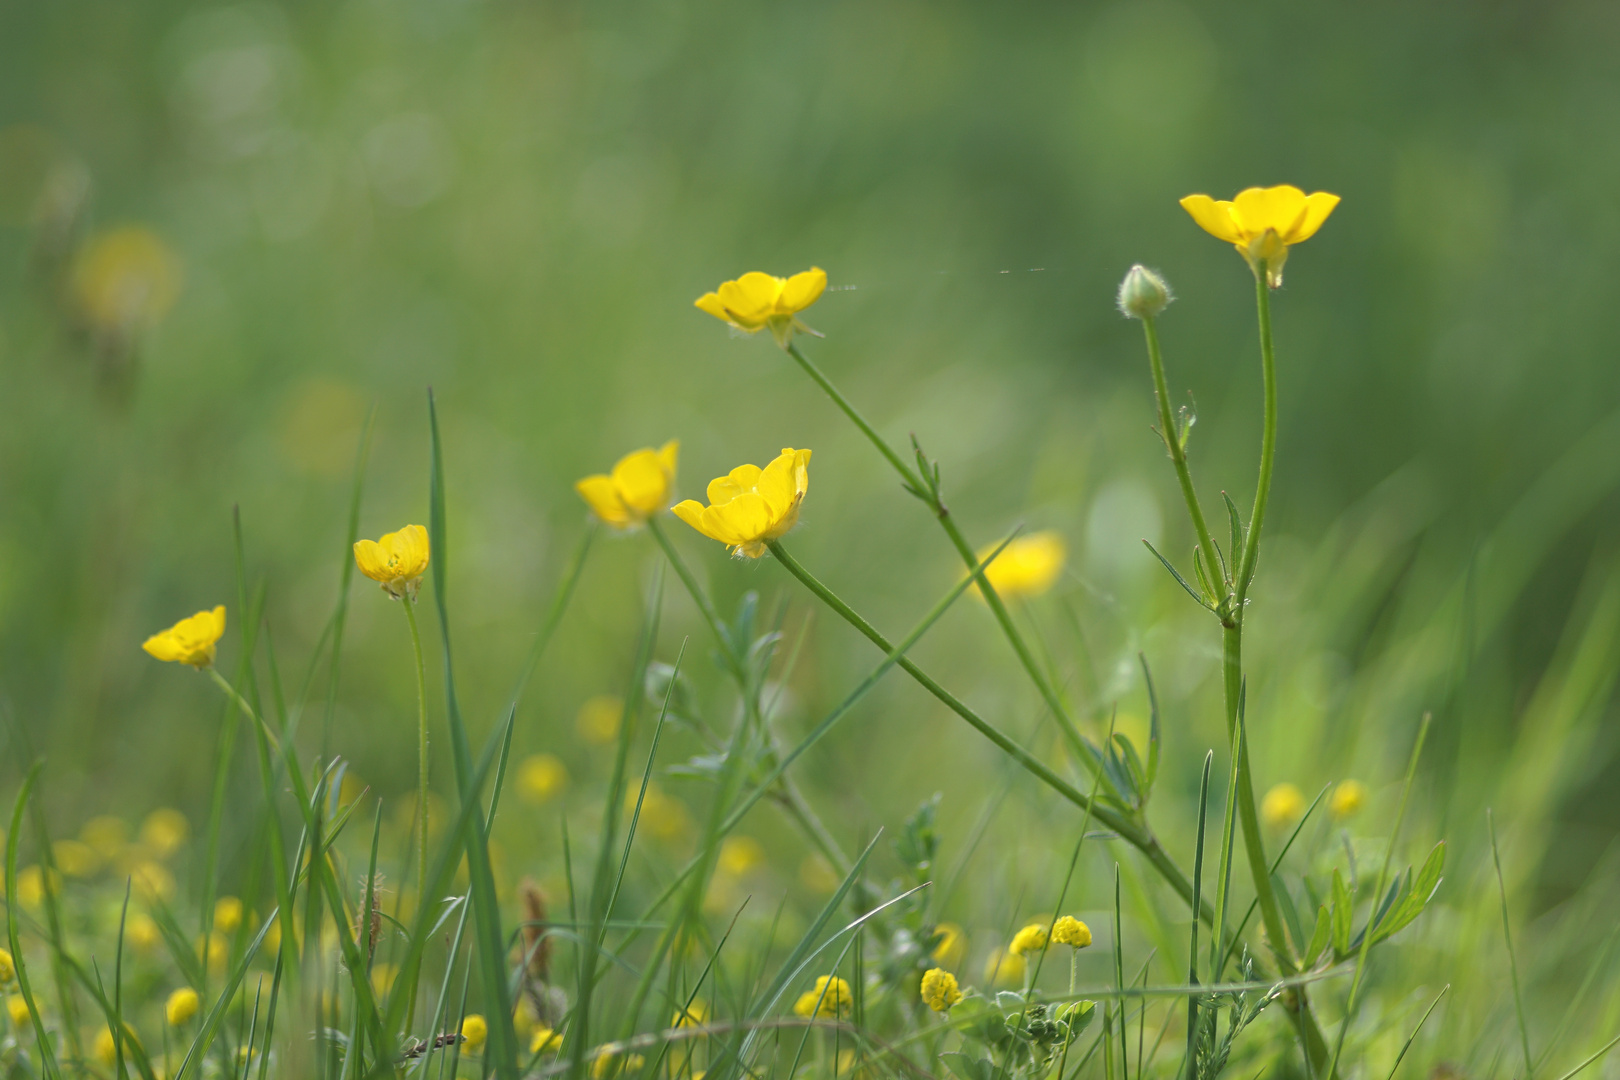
point(1143, 294)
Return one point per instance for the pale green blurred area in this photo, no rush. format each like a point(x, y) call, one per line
point(517, 204)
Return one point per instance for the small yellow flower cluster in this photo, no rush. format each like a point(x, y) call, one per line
point(939, 989)
point(17, 1010)
point(8, 968)
point(474, 1030)
point(831, 997)
point(396, 560)
point(1072, 932)
point(1031, 938)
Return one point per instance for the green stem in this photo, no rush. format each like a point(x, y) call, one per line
point(421, 754)
point(791, 799)
point(1134, 833)
point(1268, 444)
point(1178, 453)
point(930, 494)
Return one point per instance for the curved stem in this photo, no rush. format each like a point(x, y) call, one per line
point(1268, 444)
point(930, 495)
point(1178, 453)
point(1133, 832)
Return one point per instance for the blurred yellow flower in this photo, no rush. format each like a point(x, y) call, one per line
point(382, 979)
point(1004, 967)
point(952, 944)
point(181, 1006)
point(31, 886)
point(1262, 223)
point(106, 835)
point(142, 932)
point(639, 486)
point(599, 718)
point(227, 914)
point(1349, 797)
point(939, 989)
point(609, 1064)
point(8, 967)
point(75, 858)
point(272, 939)
point(17, 1009)
point(1072, 932)
point(1031, 938)
point(545, 1041)
point(189, 641)
point(106, 1050)
point(125, 280)
point(829, 998)
point(662, 815)
point(164, 830)
point(396, 560)
point(152, 881)
point(1027, 566)
point(750, 505)
point(740, 854)
point(474, 1030)
point(1282, 805)
point(759, 301)
point(213, 951)
point(693, 1015)
point(541, 777)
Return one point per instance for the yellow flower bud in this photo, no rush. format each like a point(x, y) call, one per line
point(830, 997)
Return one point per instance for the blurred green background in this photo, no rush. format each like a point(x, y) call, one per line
point(516, 203)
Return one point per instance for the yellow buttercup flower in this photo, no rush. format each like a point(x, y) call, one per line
point(1282, 805)
point(75, 858)
point(1031, 938)
point(599, 719)
point(125, 280)
point(106, 1049)
point(181, 1006)
point(164, 830)
point(1072, 932)
point(227, 914)
point(474, 1030)
point(1349, 797)
point(830, 997)
point(750, 505)
point(693, 1015)
point(1027, 567)
point(1262, 223)
point(143, 933)
point(939, 989)
point(397, 560)
point(739, 855)
point(757, 301)
point(639, 486)
point(189, 641)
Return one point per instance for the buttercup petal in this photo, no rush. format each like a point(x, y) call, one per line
point(163, 647)
point(776, 483)
point(602, 497)
point(1213, 217)
point(745, 518)
point(372, 561)
point(710, 302)
point(751, 297)
point(642, 482)
point(691, 512)
point(1317, 208)
point(802, 290)
point(725, 488)
point(1258, 209)
point(668, 456)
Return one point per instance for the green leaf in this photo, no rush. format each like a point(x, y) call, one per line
point(1417, 896)
point(1192, 592)
point(1239, 534)
point(1319, 937)
point(1341, 916)
point(1153, 727)
point(968, 1068)
point(1285, 901)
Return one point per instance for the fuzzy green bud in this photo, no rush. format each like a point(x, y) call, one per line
point(1143, 294)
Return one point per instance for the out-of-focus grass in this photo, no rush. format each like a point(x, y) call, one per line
point(518, 204)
